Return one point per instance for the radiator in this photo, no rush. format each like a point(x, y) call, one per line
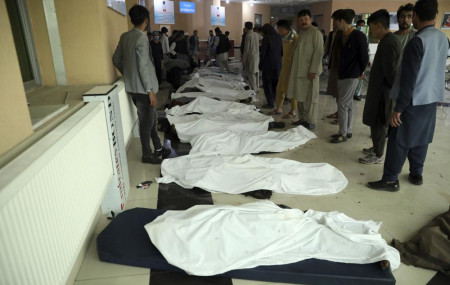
point(49, 197)
point(128, 112)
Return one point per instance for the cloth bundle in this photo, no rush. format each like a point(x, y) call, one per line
point(212, 239)
point(240, 174)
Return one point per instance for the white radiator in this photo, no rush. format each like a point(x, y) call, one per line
point(49, 197)
point(127, 112)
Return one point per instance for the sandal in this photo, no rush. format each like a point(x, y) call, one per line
point(338, 139)
point(333, 116)
point(274, 113)
point(289, 116)
point(335, 122)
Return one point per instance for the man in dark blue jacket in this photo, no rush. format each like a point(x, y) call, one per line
point(419, 84)
point(354, 59)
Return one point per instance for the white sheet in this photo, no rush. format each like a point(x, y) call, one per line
point(209, 89)
point(188, 127)
point(215, 73)
point(212, 239)
point(228, 142)
point(239, 174)
point(214, 83)
point(207, 105)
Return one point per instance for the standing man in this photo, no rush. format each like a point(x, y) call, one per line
point(333, 48)
point(250, 60)
point(157, 54)
point(194, 47)
point(241, 48)
point(404, 17)
point(418, 86)
point(354, 59)
point(379, 107)
point(132, 59)
point(222, 45)
point(289, 40)
point(165, 43)
point(210, 50)
point(360, 25)
point(305, 71)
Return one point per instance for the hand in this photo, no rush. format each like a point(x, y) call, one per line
point(362, 77)
point(311, 76)
point(152, 96)
point(395, 119)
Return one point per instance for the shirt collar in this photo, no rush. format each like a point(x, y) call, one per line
point(140, 31)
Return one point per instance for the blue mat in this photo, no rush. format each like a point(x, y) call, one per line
point(125, 241)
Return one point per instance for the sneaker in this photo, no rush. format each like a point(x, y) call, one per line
point(382, 185)
point(415, 179)
point(371, 159)
point(151, 159)
point(162, 152)
point(368, 151)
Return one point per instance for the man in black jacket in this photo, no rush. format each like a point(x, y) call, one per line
point(379, 107)
point(354, 58)
point(222, 45)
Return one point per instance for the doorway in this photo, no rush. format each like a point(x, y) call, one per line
point(24, 43)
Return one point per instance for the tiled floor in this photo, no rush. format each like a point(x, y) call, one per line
point(402, 213)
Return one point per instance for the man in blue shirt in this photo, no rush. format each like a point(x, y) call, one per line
point(419, 84)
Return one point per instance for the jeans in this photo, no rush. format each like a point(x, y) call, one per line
point(148, 119)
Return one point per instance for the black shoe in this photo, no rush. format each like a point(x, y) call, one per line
point(415, 179)
point(163, 152)
point(338, 139)
point(298, 123)
point(382, 185)
point(349, 136)
point(309, 126)
point(356, 97)
point(151, 159)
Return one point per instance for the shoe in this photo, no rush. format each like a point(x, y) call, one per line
point(415, 179)
point(289, 116)
point(276, 125)
point(371, 159)
point(335, 122)
point(338, 139)
point(368, 151)
point(349, 136)
point(382, 185)
point(274, 113)
point(266, 106)
point(333, 116)
point(151, 159)
point(162, 152)
point(307, 125)
point(298, 123)
point(357, 98)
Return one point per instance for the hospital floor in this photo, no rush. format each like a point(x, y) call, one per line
point(402, 213)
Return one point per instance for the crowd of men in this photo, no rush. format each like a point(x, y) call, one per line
point(406, 77)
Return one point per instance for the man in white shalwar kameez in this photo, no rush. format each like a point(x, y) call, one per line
point(250, 60)
point(305, 71)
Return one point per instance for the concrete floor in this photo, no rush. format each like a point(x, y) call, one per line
point(402, 213)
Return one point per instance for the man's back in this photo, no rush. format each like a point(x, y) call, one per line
point(132, 59)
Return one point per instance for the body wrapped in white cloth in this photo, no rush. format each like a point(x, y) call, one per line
point(240, 174)
point(212, 239)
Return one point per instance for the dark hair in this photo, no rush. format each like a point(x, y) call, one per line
point(380, 17)
point(227, 33)
point(268, 30)
point(346, 14)
point(164, 30)
point(210, 31)
point(335, 13)
point(248, 25)
point(304, 12)
point(360, 21)
point(426, 10)
point(283, 23)
point(407, 8)
point(217, 30)
point(138, 14)
point(314, 24)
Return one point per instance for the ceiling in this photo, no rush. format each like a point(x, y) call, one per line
point(280, 2)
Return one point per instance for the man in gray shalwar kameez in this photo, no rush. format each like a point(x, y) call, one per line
point(305, 71)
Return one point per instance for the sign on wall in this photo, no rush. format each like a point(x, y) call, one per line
point(446, 21)
point(187, 7)
point(164, 12)
point(393, 22)
point(217, 16)
point(118, 6)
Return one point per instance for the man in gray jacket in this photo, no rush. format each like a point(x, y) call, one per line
point(133, 59)
point(419, 85)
